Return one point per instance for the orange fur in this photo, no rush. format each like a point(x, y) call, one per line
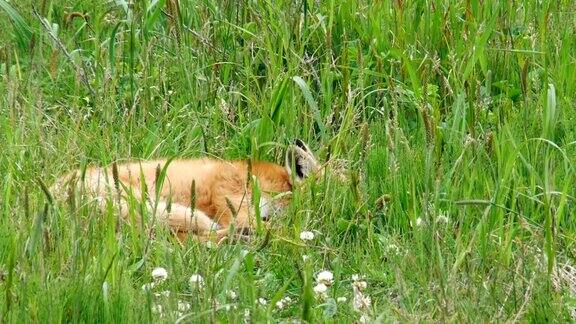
point(222, 194)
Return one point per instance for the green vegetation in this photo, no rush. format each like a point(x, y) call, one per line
point(452, 120)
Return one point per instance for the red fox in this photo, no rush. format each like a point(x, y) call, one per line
point(221, 194)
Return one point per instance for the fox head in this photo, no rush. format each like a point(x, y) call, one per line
point(300, 162)
point(278, 182)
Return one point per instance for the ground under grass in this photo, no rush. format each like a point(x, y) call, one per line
point(452, 122)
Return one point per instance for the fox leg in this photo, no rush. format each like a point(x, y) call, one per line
point(183, 219)
point(218, 236)
point(178, 217)
point(213, 236)
point(232, 222)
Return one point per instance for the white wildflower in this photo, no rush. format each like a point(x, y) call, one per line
point(165, 293)
point(342, 299)
point(320, 289)
point(442, 219)
point(306, 236)
point(157, 309)
point(393, 249)
point(326, 277)
point(305, 257)
point(361, 284)
point(232, 294)
point(262, 301)
point(159, 274)
point(364, 319)
point(360, 302)
point(418, 221)
point(355, 277)
point(196, 281)
point(148, 286)
point(283, 302)
point(280, 304)
point(183, 306)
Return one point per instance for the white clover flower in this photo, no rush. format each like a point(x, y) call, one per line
point(280, 304)
point(342, 299)
point(306, 236)
point(283, 302)
point(320, 289)
point(360, 301)
point(442, 219)
point(183, 306)
point(229, 307)
point(262, 301)
point(393, 249)
point(165, 293)
point(196, 281)
point(364, 319)
point(357, 283)
point(157, 309)
point(148, 286)
point(232, 294)
point(159, 274)
point(361, 285)
point(326, 277)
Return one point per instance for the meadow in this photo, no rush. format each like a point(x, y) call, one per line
point(447, 129)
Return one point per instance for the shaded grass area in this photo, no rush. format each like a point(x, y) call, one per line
point(452, 121)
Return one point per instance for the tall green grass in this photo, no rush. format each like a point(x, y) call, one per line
point(452, 121)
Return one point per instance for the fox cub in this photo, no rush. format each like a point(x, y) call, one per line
point(222, 195)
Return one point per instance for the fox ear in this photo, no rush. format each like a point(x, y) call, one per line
point(300, 159)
